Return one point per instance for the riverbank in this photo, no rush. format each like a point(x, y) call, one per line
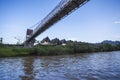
point(35, 51)
point(50, 50)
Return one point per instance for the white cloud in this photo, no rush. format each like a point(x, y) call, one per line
point(117, 22)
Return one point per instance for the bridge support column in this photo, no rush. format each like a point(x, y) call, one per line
point(29, 44)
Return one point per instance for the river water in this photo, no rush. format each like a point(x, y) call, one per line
point(87, 66)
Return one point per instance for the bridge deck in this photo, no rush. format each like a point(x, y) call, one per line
point(64, 8)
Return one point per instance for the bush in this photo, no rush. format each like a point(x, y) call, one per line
point(51, 50)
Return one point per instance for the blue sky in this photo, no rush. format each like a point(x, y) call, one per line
point(95, 21)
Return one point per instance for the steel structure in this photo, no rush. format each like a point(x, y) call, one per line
point(64, 8)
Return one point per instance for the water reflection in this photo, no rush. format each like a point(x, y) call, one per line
point(91, 66)
point(28, 68)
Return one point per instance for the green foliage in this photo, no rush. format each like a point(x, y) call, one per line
point(117, 47)
point(83, 47)
point(21, 51)
point(51, 50)
point(106, 47)
point(48, 50)
point(4, 52)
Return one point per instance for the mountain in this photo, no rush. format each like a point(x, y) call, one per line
point(110, 42)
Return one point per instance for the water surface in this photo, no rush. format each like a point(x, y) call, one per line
point(87, 66)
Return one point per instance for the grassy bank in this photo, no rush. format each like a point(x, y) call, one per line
point(12, 52)
point(49, 50)
point(38, 50)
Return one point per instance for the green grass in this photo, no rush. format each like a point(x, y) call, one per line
point(49, 50)
point(12, 52)
point(38, 50)
point(6, 52)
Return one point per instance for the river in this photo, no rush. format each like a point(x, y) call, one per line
point(87, 66)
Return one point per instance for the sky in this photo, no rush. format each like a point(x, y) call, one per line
point(94, 22)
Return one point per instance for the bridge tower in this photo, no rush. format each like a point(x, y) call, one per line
point(64, 8)
point(29, 33)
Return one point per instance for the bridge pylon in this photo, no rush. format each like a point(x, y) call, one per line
point(64, 8)
point(29, 33)
point(29, 44)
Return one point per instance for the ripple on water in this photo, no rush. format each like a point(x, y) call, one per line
point(11, 68)
point(91, 66)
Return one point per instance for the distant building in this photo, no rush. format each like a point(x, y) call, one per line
point(69, 42)
point(45, 41)
point(63, 42)
point(55, 41)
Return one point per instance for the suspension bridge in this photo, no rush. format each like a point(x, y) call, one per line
point(64, 8)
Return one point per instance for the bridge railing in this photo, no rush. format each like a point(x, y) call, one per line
point(65, 7)
point(52, 13)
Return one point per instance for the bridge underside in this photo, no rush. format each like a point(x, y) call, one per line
point(64, 8)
